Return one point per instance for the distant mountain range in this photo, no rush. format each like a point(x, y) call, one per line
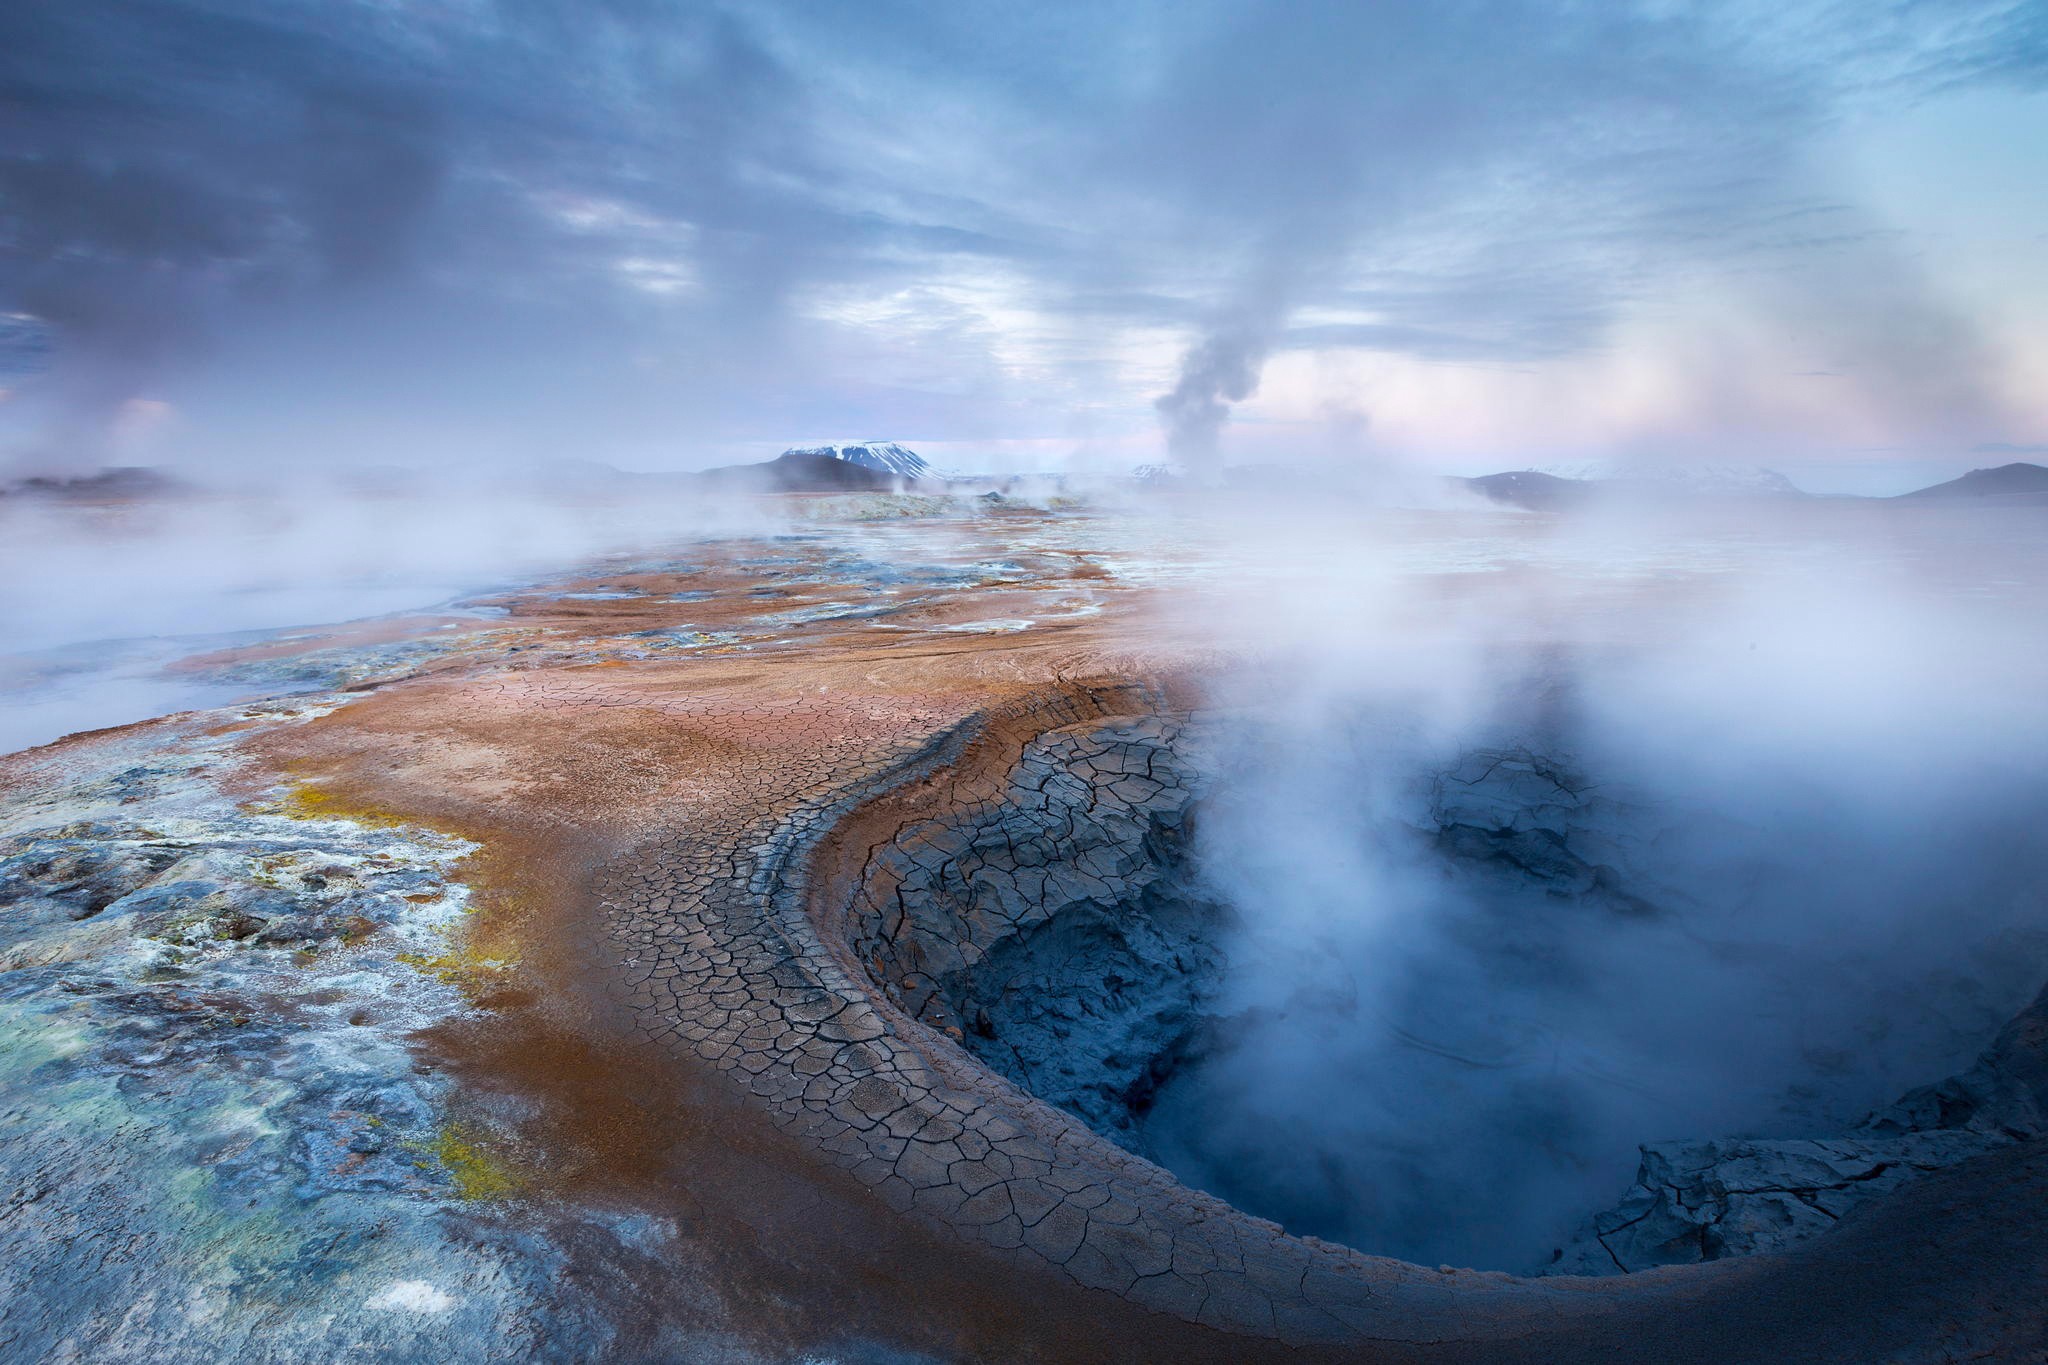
point(886, 456)
point(2007, 482)
point(847, 467)
point(844, 467)
point(118, 483)
point(1541, 491)
point(885, 466)
point(1533, 489)
point(804, 471)
point(1713, 479)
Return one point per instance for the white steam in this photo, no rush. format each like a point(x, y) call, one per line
point(1813, 752)
point(96, 601)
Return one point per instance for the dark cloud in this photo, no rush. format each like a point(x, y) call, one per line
point(624, 227)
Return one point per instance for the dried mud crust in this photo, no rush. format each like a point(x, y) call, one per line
point(731, 816)
point(1056, 928)
point(755, 945)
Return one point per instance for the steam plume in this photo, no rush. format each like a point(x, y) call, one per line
point(1221, 369)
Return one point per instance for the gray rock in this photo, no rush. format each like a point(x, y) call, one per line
point(1055, 930)
point(1531, 818)
point(1701, 1201)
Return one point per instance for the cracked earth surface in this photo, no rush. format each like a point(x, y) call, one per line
point(703, 820)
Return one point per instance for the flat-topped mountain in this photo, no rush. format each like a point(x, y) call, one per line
point(867, 467)
point(1532, 489)
point(886, 456)
point(802, 471)
point(118, 483)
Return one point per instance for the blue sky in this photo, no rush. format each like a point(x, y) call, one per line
point(1463, 236)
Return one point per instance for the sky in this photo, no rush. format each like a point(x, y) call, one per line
point(287, 235)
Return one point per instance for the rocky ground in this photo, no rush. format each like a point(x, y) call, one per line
point(755, 954)
point(1701, 1201)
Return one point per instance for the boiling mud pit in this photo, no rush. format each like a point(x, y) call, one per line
point(1517, 975)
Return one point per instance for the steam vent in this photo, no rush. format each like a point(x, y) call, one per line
point(957, 935)
point(759, 682)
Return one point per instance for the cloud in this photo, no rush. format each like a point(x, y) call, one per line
point(533, 227)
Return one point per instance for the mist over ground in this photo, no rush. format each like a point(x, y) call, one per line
point(97, 601)
point(102, 599)
point(1702, 804)
point(1808, 753)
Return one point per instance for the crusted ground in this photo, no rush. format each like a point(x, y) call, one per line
point(712, 1102)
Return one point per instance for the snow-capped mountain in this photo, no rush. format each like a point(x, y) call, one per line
point(886, 456)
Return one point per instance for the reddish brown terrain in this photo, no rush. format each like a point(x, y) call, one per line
point(689, 1003)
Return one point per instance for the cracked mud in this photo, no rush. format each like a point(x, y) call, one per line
point(712, 933)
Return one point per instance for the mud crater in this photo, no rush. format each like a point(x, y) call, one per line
point(1056, 930)
point(1060, 930)
point(1058, 926)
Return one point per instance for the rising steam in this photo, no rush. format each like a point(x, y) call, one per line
point(1221, 369)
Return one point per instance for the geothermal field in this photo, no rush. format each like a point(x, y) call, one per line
point(930, 682)
point(1103, 924)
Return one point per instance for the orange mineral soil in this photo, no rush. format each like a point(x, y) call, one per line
point(673, 777)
